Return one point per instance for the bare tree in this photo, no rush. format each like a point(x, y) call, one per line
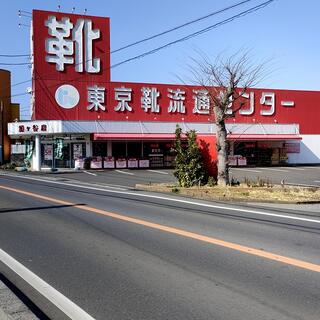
point(226, 80)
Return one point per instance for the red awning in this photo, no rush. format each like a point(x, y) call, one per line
point(168, 136)
point(134, 136)
point(260, 137)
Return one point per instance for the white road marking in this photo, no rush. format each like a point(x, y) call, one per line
point(115, 186)
point(243, 169)
point(87, 172)
point(99, 188)
point(317, 181)
point(200, 204)
point(292, 168)
point(273, 169)
point(156, 171)
point(125, 172)
point(64, 304)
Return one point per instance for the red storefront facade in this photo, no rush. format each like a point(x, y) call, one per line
point(75, 101)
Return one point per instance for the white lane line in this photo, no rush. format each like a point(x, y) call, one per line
point(87, 172)
point(316, 181)
point(99, 188)
point(64, 304)
point(156, 171)
point(272, 169)
point(293, 168)
point(200, 204)
point(125, 172)
point(249, 170)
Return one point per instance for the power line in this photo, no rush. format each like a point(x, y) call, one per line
point(239, 15)
point(156, 35)
point(17, 84)
point(181, 26)
point(137, 42)
point(15, 64)
point(23, 11)
point(216, 25)
point(14, 55)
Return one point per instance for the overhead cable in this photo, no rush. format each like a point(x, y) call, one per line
point(237, 16)
point(181, 26)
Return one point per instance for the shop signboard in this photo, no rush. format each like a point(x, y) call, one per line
point(48, 151)
point(71, 65)
point(144, 163)
point(292, 147)
point(121, 163)
point(29, 150)
point(242, 161)
point(32, 128)
point(132, 163)
point(79, 163)
point(233, 160)
point(96, 163)
point(58, 149)
point(108, 163)
point(77, 150)
point(18, 148)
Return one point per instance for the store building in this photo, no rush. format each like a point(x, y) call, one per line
point(79, 113)
point(8, 112)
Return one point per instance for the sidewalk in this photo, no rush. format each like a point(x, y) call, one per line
point(11, 307)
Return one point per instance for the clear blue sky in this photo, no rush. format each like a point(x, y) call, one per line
point(286, 31)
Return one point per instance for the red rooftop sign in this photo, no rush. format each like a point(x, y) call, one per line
point(72, 82)
point(71, 63)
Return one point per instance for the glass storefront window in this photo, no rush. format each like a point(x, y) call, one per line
point(62, 154)
point(119, 149)
point(134, 149)
point(99, 149)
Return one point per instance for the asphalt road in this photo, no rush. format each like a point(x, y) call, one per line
point(123, 254)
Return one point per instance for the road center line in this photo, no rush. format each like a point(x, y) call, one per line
point(218, 242)
point(68, 307)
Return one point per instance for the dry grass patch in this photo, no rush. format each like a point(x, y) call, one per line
point(281, 194)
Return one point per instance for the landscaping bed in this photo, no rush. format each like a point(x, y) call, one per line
point(275, 193)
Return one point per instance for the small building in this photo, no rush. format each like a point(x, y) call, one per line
point(8, 112)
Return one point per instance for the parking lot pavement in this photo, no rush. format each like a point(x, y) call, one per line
point(299, 175)
point(123, 178)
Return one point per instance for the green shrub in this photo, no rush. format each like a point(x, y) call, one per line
point(189, 169)
point(212, 182)
point(175, 189)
